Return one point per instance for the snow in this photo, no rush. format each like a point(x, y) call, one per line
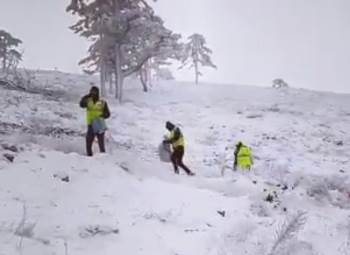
point(128, 201)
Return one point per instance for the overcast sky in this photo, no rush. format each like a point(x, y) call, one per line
point(305, 42)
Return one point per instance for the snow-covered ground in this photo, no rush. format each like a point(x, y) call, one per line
point(54, 200)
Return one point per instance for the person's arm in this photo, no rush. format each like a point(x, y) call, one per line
point(235, 162)
point(84, 101)
point(106, 112)
point(177, 135)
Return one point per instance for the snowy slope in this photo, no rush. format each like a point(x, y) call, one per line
point(54, 200)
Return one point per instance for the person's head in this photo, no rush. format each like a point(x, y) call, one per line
point(169, 126)
point(95, 92)
point(239, 144)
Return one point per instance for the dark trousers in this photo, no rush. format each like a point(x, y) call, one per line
point(177, 160)
point(90, 136)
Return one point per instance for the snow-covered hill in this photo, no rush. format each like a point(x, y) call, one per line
point(54, 200)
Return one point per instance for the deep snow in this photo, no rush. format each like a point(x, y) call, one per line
point(128, 202)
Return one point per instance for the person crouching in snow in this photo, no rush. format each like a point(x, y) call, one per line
point(96, 112)
point(177, 140)
point(243, 157)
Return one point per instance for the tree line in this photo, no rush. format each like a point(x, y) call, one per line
point(127, 38)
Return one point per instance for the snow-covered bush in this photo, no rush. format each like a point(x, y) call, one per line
point(94, 230)
point(279, 171)
point(296, 247)
point(318, 190)
point(260, 209)
point(333, 190)
point(164, 74)
point(279, 83)
point(287, 232)
point(347, 243)
point(336, 182)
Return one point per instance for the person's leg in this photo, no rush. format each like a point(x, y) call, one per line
point(101, 142)
point(174, 160)
point(89, 140)
point(181, 153)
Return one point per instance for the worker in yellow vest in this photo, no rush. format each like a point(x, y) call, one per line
point(243, 157)
point(177, 141)
point(96, 112)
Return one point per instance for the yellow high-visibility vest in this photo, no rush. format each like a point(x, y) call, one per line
point(94, 110)
point(178, 142)
point(244, 157)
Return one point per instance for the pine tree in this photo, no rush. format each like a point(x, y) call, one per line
point(197, 53)
point(9, 54)
point(125, 35)
point(170, 49)
point(163, 73)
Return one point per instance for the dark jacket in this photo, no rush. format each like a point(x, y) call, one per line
point(238, 147)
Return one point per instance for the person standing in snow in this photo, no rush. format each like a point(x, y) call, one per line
point(243, 157)
point(177, 141)
point(96, 112)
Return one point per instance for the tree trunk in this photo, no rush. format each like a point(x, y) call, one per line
point(196, 72)
point(118, 74)
point(116, 85)
point(103, 79)
point(110, 79)
point(4, 61)
point(143, 80)
point(121, 88)
point(102, 66)
point(119, 78)
point(148, 73)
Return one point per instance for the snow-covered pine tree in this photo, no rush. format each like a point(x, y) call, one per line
point(154, 69)
point(158, 65)
point(164, 73)
point(150, 40)
point(125, 34)
point(197, 53)
point(106, 23)
point(9, 54)
point(170, 50)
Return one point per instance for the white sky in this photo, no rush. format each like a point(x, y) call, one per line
point(305, 42)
